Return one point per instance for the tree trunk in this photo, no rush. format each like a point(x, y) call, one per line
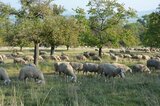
point(36, 53)
point(100, 52)
point(21, 48)
point(52, 50)
point(67, 47)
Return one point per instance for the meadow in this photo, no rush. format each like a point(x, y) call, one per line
point(137, 89)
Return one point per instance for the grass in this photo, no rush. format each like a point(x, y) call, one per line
point(91, 90)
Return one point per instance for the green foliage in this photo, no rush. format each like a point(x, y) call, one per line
point(71, 32)
point(152, 34)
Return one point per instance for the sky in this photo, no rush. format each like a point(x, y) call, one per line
point(139, 5)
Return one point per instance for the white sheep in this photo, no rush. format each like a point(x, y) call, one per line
point(90, 67)
point(140, 68)
point(4, 76)
point(77, 66)
point(19, 60)
point(30, 71)
point(66, 68)
point(109, 70)
point(123, 66)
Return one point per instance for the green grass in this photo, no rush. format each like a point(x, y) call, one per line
point(90, 90)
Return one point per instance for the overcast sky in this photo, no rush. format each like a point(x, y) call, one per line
point(139, 5)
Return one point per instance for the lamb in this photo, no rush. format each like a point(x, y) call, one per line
point(4, 76)
point(90, 67)
point(77, 66)
point(155, 63)
point(110, 70)
point(140, 68)
point(30, 71)
point(124, 67)
point(67, 69)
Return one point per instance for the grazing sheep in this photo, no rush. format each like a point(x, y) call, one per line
point(64, 57)
point(1, 58)
point(20, 53)
point(77, 66)
point(30, 71)
point(42, 53)
point(114, 57)
point(137, 57)
point(56, 58)
point(127, 56)
point(92, 53)
point(46, 57)
point(155, 63)
point(4, 76)
point(145, 57)
point(86, 54)
point(4, 56)
point(19, 60)
point(124, 67)
point(140, 68)
point(95, 57)
point(90, 67)
point(80, 57)
point(40, 58)
point(65, 68)
point(110, 70)
point(28, 58)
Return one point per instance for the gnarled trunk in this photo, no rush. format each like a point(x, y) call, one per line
point(67, 47)
point(100, 52)
point(36, 53)
point(52, 50)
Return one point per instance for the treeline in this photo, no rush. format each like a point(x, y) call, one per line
point(40, 22)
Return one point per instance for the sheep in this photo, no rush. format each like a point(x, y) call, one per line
point(19, 60)
point(40, 58)
point(46, 57)
point(42, 53)
point(114, 57)
point(30, 71)
point(90, 67)
point(95, 57)
point(66, 68)
point(56, 58)
point(86, 54)
point(77, 66)
point(155, 63)
point(124, 67)
point(110, 70)
point(80, 57)
point(1, 58)
point(28, 58)
point(140, 68)
point(4, 56)
point(4, 76)
point(145, 57)
point(64, 57)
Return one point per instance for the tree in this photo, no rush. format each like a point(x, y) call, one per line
point(6, 26)
point(53, 24)
point(53, 29)
point(103, 15)
point(33, 13)
point(152, 34)
point(71, 32)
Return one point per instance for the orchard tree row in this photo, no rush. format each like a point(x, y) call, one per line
point(40, 22)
